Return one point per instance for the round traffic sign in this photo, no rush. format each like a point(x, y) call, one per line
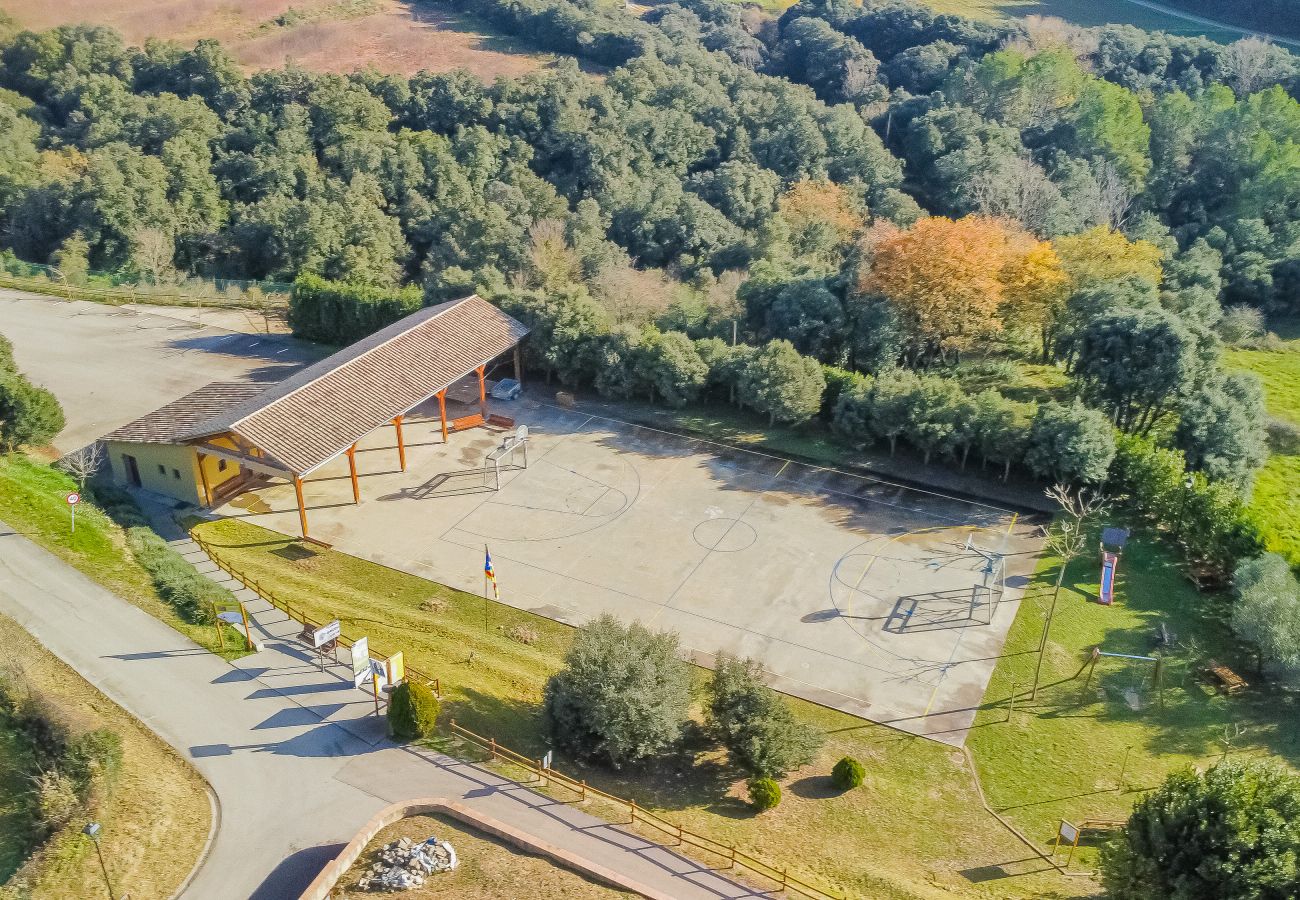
point(74, 497)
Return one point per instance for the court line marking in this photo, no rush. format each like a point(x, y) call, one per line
point(943, 673)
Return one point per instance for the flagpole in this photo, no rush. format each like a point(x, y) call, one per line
point(485, 589)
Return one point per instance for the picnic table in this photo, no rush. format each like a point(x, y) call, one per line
point(1227, 679)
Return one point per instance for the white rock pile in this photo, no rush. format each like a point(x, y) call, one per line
point(404, 864)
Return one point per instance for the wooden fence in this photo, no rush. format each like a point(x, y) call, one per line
point(681, 837)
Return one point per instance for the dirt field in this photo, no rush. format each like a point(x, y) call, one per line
point(324, 35)
point(488, 869)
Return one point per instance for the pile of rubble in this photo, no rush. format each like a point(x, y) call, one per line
point(403, 864)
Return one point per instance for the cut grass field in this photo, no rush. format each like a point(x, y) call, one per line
point(1061, 756)
point(1276, 500)
point(488, 869)
point(914, 830)
point(155, 821)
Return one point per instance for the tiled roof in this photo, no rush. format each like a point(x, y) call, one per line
point(315, 414)
point(169, 424)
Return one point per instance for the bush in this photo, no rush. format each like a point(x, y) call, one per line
point(412, 711)
point(764, 793)
point(848, 774)
point(754, 723)
point(56, 800)
point(94, 757)
point(30, 416)
point(179, 583)
point(336, 313)
point(622, 695)
point(1230, 833)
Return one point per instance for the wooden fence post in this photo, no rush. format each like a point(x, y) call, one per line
point(584, 790)
point(494, 749)
point(732, 864)
point(632, 805)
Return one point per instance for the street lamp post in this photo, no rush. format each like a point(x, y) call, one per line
point(92, 831)
point(1188, 484)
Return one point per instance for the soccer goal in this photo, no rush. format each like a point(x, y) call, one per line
point(508, 455)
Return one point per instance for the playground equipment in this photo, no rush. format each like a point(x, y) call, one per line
point(1112, 545)
point(515, 442)
point(1130, 690)
point(992, 575)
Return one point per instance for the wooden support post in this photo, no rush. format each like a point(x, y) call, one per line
point(352, 470)
point(519, 369)
point(482, 390)
point(302, 509)
point(442, 412)
point(401, 446)
point(203, 478)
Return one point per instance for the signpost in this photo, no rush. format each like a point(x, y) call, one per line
point(324, 634)
point(360, 661)
point(73, 499)
point(396, 668)
point(231, 612)
point(1070, 834)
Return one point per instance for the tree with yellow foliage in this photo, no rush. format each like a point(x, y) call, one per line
point(817, 221)
point(1103, 254)
point(957, 282)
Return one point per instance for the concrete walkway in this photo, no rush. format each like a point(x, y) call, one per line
point(295, 754)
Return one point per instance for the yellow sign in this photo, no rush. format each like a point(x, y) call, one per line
point(396, 668)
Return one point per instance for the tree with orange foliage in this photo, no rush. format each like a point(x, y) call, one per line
point(956, 282)
point(818, 221)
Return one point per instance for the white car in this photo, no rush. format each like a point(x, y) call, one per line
point(507, 389)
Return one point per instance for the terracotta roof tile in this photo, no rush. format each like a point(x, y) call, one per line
point(315, 414)
point(168, 424)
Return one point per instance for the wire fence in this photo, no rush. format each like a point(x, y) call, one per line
point(682, 837)
point(268, 297)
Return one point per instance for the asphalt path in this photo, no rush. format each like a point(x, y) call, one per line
point(294, 754)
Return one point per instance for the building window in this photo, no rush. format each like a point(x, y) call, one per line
point(162, 470)
point(176, 473)
point(221, 465)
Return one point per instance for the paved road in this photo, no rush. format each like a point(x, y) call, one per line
point(294, 754)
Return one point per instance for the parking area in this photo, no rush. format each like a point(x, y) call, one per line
point(886, 602)
point(109, 365)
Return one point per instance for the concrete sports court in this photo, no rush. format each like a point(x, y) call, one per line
point(853, 592)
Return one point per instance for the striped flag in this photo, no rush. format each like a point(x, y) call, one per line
point(489, 573)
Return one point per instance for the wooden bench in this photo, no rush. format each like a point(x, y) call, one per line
point(500, 421)
point(1230, 681)
point(465, 422)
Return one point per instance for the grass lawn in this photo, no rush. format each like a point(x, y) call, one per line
point(1277, 487)
point(32, 503)
point(915, 830)
point(488, 868)
point(1060, 756)
point(155, 820)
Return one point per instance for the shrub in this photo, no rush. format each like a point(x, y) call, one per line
point(764, 793)
point(622, 695)
point(29, 415)
point(1232, 832)
point(848, 774)
point(94, 757)
point(56, 800)
point(179, 583)
point(336, 313)
point(523, 634)
point(412, 711)
point(754, 723)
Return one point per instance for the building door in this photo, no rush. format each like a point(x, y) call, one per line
point(132, 469)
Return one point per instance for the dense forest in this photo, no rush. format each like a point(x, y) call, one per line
point(836, 213)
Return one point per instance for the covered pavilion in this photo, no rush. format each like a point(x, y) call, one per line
point(296, 426)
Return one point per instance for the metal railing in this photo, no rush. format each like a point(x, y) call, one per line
point(682, 836)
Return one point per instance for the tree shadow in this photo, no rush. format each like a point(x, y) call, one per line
point(815, 787)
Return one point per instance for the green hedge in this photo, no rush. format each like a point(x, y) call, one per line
point(333, 312)
point(179, 583)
